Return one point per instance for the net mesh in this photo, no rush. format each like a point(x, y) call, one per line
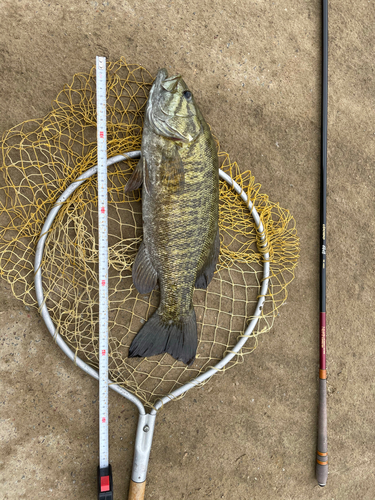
point(41, 158)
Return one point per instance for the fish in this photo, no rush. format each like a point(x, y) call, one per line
point(179, 174)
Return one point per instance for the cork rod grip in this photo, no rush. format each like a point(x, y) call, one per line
point(321, 454)
point(136, 491)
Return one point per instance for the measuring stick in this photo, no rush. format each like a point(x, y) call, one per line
point(105, 488)
point(322, 454)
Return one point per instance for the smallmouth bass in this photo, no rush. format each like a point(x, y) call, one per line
point(179, 174)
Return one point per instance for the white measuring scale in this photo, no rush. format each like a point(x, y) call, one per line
point(105, 488)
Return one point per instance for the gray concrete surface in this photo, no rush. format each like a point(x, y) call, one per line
point(254, 67)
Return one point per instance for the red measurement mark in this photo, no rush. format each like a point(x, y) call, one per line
point(101, 134)
point(102, 210)
point(103, 420)
point(103, 352)
point(103, 282)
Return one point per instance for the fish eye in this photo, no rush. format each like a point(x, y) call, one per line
point(187, 95)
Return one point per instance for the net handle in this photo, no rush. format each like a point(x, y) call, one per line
point(136, 490)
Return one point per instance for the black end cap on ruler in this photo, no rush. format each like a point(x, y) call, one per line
point(105, 484)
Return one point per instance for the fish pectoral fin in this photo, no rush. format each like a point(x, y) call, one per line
point(145, 278)
point(136, 178)
point(173, 170)
point(205, 274)
point(179, 339)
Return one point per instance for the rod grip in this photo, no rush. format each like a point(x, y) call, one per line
point(322, 454)
point(136, 490)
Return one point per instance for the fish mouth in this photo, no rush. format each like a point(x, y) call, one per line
point(170, 84)
point(160, 77)
point(162, 74)
point(165, 82)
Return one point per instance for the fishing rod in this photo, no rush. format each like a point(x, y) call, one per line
point(322, 454)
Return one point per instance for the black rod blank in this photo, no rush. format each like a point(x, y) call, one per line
point(322, 453)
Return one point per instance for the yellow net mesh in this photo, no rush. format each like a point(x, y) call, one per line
point(41, 158)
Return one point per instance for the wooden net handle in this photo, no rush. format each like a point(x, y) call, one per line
point(136, 491)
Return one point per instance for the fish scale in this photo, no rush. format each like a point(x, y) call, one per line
point(191, 220)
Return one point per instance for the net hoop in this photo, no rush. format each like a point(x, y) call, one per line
point(91, 371)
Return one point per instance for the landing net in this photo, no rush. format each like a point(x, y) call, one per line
point(41, 158)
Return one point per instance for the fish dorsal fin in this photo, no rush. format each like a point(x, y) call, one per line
point(172, 170)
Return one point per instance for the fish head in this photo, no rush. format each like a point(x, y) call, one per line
point(171, 109)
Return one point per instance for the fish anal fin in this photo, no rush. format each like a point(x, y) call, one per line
point(205, 274)
point(145, 277)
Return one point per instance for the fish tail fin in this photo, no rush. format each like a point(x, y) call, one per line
point(179, 339)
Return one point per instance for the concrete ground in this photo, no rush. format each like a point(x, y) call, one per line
point(254, 67)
